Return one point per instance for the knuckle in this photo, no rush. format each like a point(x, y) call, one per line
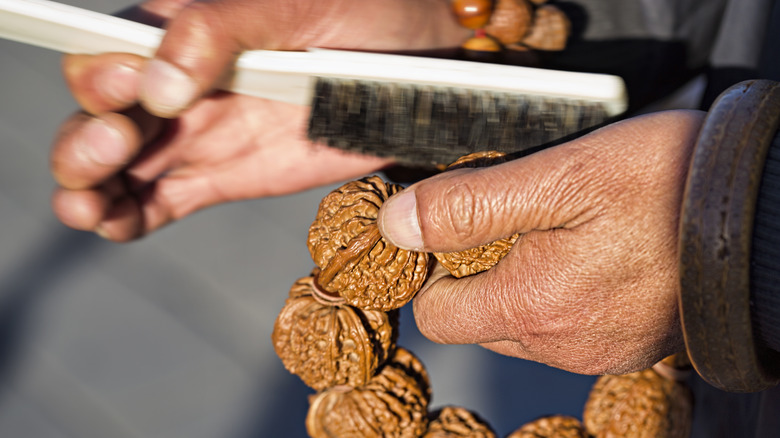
point(464, 211)
point(195, 35)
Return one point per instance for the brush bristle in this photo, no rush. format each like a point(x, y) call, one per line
point(431, 126)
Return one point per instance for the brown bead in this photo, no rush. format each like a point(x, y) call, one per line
point(639, 404)
point(393, 403)
point(510, 21)
point(557, 426)
point(356, 262)
point(472, 14)
point(475, 260)
point(327, 344)
point(456, 422)
point(550, 30)
point(482, 44)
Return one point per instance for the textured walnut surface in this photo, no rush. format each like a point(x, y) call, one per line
point(457, 422)
point(641, 404)
point(550, 30)
point(393, 403)
point(356, 262)
point(327, 345)
point(478, 159)
point(557, 426)
point(510, 21)
point(475, 260)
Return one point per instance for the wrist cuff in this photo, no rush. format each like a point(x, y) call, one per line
point(716, 229)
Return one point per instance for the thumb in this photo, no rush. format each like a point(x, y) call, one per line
point(466, 208)
point(197, 50)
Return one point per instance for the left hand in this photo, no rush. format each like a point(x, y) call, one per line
point(124, 172)
point(591, 284)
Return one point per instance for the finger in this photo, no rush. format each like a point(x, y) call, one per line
point(85, 209)
point(196, 53)
point(469, 310)
point(88, 150)
point(470, 207)
point(533, 305)
point(80, 209)
point(101, 83)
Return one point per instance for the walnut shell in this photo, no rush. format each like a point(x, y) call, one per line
point(393, 403)
point(479, 159)
point(356, 262)
point(456, 422)
point(475, 260)
point(641, 404)
point(510, 21)
point(557, 426)
point(550, 30)
point(328, 345)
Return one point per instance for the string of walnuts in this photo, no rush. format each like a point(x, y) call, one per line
point(338, 330)
point(513, 25)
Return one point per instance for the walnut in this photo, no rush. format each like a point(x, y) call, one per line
point(639, 404)
point(557, 426)
point(510, 21)
point(456, 422)
point(356, 262)
point(475, 260)
point(326, 342)
point(479, 159)
point(550, 30)
point(393, 403)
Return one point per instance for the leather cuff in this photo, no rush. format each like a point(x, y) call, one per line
point(716, 228)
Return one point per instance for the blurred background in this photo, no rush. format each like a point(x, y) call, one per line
point(170, 336)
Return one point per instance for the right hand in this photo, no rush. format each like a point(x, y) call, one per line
point(125, 169)
point(591, 284)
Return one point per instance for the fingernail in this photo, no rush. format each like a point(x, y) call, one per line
point(165, 89)
point(100, 231)
point(102, 144)
point(399, 222)
point(119, 83)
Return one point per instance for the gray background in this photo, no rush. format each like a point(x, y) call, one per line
point(170, 336)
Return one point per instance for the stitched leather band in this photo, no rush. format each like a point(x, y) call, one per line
point(716, 227)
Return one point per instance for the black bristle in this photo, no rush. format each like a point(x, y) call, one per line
point(427, 125)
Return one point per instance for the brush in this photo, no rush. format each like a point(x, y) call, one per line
point(418, 110)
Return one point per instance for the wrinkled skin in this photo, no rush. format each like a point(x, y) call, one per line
point(590, 286)
point(124, 171)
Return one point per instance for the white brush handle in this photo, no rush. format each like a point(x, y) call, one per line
point(69, 29)
point(289, 76)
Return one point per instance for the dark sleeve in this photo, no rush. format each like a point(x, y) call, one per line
point(657, 46)
point(745, 47)
point(654, 46)
point(765, 257)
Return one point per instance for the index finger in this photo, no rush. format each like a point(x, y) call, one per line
point(103, 83)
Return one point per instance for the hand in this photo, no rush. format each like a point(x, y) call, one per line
point(125, 170)
point(591, 284)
